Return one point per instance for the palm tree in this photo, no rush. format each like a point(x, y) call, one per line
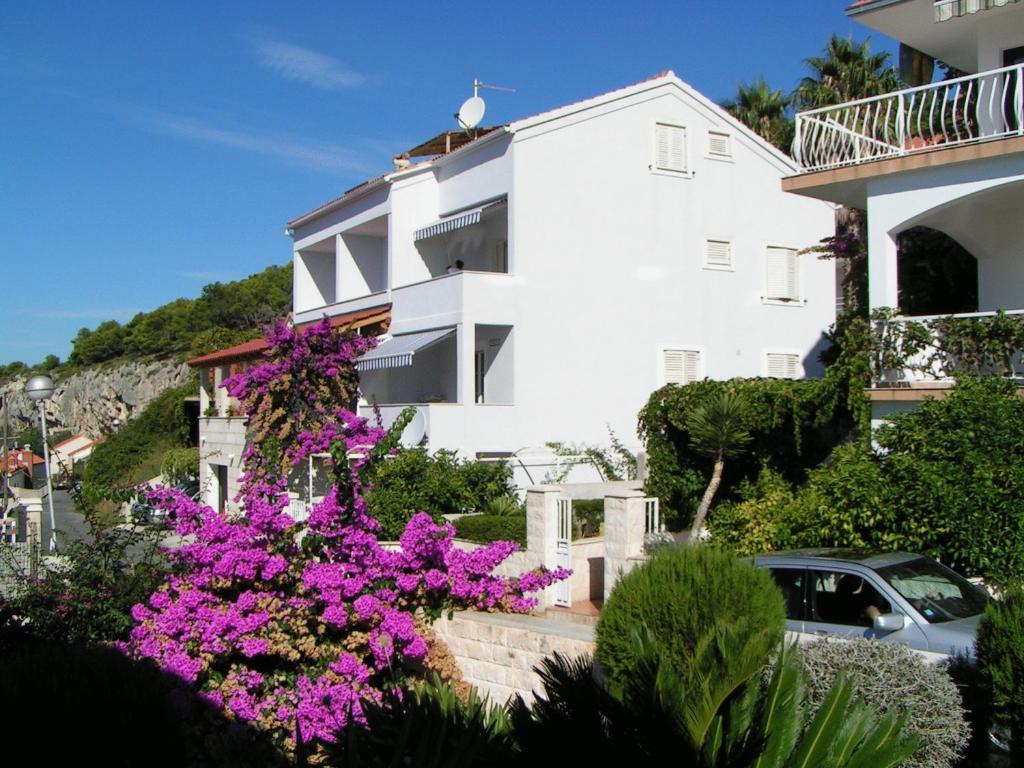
point(764, 111)
point(845, 72)
point(718, 428)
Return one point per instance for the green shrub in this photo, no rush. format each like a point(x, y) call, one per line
point(439, 484)
point(684, 595)
point(793, 425)
point(487, 528)
point(504, 505)
point(1001, 659)
point(893, 678)
point(765, 518)
point(180, 464)
point(947, 482)
point(588, 514)
point(161, 424)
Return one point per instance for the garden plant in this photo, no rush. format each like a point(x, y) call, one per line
point(295, 627)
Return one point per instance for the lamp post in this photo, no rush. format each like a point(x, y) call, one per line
point(39, 388)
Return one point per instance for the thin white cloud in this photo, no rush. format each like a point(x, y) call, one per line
point(293, 62)
point(328, 158)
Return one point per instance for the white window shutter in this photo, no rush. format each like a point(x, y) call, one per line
point(719, 144)
point(783, 280)
point(680, 366)
point(718, 253)
point(783, 366)
point(670, 148)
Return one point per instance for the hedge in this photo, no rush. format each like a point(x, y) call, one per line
point(484, 529)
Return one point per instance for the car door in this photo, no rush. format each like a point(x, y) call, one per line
point(838, 606)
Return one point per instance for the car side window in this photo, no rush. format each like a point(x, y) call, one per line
point(845, 598)
point(791, 581)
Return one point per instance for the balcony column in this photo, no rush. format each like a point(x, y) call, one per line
point(883, 288)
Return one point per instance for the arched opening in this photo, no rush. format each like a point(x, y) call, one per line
point(936, 275)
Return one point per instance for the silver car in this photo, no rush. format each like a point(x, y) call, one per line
point(895, 597)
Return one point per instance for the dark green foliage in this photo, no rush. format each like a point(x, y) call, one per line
point(1001, 660)
point(179, 465)
point(87, 600)
point(587, 515)
point(683, 596)
point(439, 484)
point(793, 426)
point(948, 482)
point(160, 426)
point(230, 312)
point(487, 528)
point(429, 727)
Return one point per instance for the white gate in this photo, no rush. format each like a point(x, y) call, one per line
point(652, 517)
point(563, 550)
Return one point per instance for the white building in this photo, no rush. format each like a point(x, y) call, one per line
point(947, 155)
point(544, 277)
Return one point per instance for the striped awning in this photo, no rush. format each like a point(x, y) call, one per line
point(456, 221)
point(951, 9)
point(398, 351)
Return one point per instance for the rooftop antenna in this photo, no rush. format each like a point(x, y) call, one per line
point(472, 110)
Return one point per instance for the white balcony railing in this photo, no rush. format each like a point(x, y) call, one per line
point(939, 348)
point(958, 111)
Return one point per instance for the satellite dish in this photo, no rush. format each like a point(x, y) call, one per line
point(471, 112)
point(414, 431)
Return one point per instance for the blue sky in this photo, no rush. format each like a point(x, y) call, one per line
point(147, 149)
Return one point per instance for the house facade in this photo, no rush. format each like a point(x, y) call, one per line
point(222, 425)
point(543, 277)
point(947, 156)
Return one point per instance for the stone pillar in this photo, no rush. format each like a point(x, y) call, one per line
point(623, 535)
point(542, 531)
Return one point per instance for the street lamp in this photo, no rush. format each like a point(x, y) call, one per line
point(39, 388)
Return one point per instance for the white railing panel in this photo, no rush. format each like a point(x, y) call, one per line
point(958, 111)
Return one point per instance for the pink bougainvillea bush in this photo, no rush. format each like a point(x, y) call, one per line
point(292, 626)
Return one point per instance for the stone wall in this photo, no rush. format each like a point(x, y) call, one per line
point(497, 653)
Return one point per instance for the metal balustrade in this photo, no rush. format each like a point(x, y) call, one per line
point(949, 113)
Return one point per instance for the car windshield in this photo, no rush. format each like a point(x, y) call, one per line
point(936, 592)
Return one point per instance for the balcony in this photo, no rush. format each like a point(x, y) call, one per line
point(465, 428)
point(926, 350)
point(964, 110)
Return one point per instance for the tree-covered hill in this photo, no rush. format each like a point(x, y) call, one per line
point(224, 314)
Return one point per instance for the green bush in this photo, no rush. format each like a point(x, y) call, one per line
point(947, 482)
point(683, 596)
point(764, 518)
point(793, 425)
point(180, 464)
point(162, 425)
point(893, 678)
point(487, 528)
point(439, 484)
point(1001, 660)
point(588, 514)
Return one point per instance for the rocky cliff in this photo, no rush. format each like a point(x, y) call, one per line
point(97, 400)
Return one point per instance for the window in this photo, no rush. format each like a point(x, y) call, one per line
point(791, 582)
point(680, 366)
point(844, 598)
point(719, 144)
point(718, 254)
point(782, 365)
point(669, 148)
point(783, 275)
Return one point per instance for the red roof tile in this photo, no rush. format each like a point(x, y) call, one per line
point(256, 347)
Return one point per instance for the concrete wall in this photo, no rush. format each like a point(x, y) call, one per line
point(497, 653)
point(222, 442)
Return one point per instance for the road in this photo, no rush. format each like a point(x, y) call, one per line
point(69, 523)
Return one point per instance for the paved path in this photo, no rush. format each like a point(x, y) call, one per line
point(70, 524)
